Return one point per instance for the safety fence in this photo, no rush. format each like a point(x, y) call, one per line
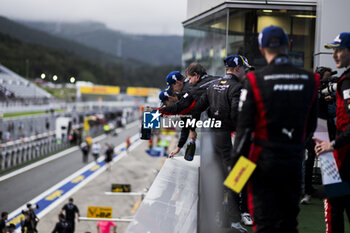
point(18, 152)
point(23, 151)
point(18, 106)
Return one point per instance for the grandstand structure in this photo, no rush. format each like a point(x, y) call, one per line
point(14, 87)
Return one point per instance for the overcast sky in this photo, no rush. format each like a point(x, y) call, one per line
point(132, 16)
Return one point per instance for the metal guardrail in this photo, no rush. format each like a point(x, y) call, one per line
point(27, 139)
point(63, 105)
point(21, 151)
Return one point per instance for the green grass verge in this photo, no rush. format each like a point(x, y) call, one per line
point(63, 93)
point(17, 114)
point(311, 217)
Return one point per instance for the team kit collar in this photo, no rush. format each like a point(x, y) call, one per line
point(230, 76)
point(281, 60)
point(200, 79)
point(204, 76)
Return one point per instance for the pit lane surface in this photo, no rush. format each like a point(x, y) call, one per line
point(19, 189)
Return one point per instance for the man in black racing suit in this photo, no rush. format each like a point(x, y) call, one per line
point(221, 99)
point(179, 85)
point(277, 113)
point(200, 81)
point(335, 206)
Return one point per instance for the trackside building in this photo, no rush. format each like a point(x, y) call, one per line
point(216, 28)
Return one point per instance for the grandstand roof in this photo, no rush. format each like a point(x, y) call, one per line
point(19, 86)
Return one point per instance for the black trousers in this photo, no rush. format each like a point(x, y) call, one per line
point(71, 225)
point(274, 190)
point(223, 149)
point(334, 209)
point(309, 165)
point(85, 157)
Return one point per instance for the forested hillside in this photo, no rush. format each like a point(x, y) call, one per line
point(151, 49)
point(30, 60)
point(31, 52)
